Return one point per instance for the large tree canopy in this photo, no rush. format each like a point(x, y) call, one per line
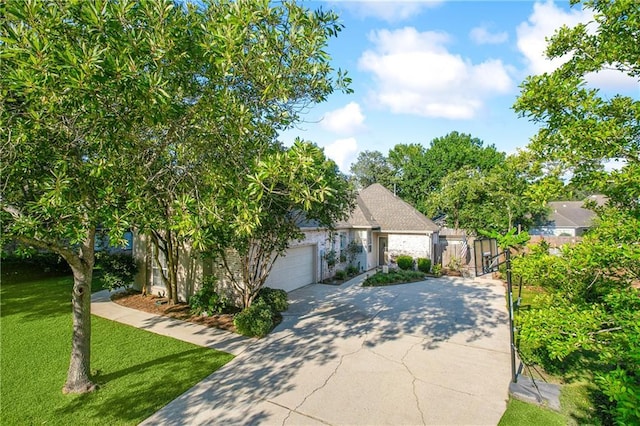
point(581, 127)
point(593, 302)
point(113, 108)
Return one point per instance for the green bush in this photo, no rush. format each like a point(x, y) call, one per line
point(424, 265)
point(207, 300)
point(118, 269)
point(256, 320)
point(405, 262)
point(352, 270)
point(341, 274)
point(274, 298)
point(393, 277)
point(437, 269)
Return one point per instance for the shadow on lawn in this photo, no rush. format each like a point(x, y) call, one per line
point(33, 299)
point(324, 324)
point(144, 394)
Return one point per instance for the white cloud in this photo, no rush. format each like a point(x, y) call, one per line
point(345, 120)
point(543, 22)
point(545, 19)
point(482, 35)
point(390, 11)
point(416, 74)
point(342, 151)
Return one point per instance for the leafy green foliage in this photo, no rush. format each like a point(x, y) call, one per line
point(256, 320)
point(405, 262)
point(352, 270)
point(372, 167)
point(275, 298)
point(118, 269)
point(263, 210)
point(498, 199)
point(393, 277)
point(581, 128)
point(424, 265)
point(591, 314)
point(207, 299)
point(341, 274)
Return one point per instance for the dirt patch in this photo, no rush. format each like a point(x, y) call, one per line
point(161, 306)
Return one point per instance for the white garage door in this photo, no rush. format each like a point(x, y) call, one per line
point(294, 270)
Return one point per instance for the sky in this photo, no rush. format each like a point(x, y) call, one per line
point(422, 69)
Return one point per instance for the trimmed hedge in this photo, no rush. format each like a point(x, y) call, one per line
point(274, 298)
point(405, 262)
point(256, 320)
point(424, 265)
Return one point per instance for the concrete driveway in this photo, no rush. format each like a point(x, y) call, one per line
point(433, 352)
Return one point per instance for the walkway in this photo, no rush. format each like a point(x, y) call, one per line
point(433, 352)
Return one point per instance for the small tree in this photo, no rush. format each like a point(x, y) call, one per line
point(265, 208)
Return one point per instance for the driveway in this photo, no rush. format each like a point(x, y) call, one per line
point(432, 352)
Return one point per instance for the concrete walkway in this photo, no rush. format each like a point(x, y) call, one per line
point(433, 352)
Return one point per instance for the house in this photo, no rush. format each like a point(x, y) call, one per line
point(388, 227)
point(380, 228)
point(567, 218)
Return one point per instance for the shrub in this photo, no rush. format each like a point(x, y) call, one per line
point(455, 264)
point(395, 277)
point(274, 298)
point(352, 270)
point(118, 269)
point(405, 262)
point(437, 269)
point(207, 300)
point(341, 274)
point(424, 265)
point(256, 320)
point(343, 257)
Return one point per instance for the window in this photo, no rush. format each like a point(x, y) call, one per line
point(343, 241)
point(158, 270)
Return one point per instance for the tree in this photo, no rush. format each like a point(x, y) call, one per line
point(581, 128)
point(253, 64)
point(75, 79)
point(406, 164)
point(266, 207)
point(452, 152)
point(372, 167)
point(592, 284)
point(104, 103)
point(507, 196)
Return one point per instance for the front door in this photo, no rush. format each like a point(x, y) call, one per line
point(382, 250)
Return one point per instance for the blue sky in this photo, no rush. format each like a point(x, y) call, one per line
point(422, 69)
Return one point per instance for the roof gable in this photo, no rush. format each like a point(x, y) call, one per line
point(377, 207)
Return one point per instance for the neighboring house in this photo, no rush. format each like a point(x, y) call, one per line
point(381, 227)
point(567, 218)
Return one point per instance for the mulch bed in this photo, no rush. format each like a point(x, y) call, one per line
point(161, 306)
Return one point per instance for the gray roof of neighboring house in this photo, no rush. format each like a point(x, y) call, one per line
point(377, 207)
point(569, 214)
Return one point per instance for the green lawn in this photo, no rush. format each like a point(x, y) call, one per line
point(138, 372)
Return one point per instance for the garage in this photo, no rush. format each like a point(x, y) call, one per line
point(294, 270)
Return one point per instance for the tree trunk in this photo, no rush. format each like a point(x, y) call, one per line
point(79, 373)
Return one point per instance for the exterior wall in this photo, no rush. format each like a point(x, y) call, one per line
point(192, 268)
point(412, 245)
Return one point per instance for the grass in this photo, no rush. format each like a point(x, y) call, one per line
point(576, 409)
point(138, 372)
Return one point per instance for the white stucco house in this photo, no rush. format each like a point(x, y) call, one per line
point(381, 227)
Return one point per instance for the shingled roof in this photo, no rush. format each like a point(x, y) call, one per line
point(378, 208)
point(569, 214)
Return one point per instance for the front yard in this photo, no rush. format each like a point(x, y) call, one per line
point(138, 372)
